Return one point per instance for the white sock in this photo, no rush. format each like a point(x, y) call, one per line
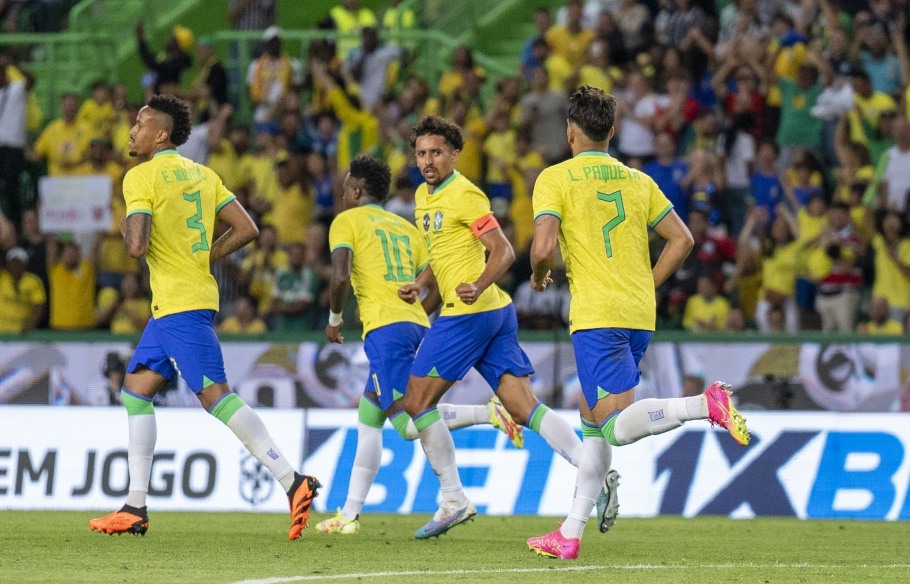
point(655, 416)
point(440, 450)
point(141, 450)
point(366, 465)
point(455, 417)
point(248, 426)
point(592, 470)
point(560, 436)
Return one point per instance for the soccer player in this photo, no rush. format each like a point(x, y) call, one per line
point(377, 251)
point(171, 205)
point(600, 211)
point(477, 326)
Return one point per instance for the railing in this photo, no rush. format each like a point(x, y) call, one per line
point(64, 62)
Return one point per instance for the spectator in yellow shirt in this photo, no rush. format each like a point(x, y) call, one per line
point(293, 210)
point(258, 271)
point(123, 311)
point(245, 320)
point(570, 41)
point(22, 296)
point(706, 310)
point(880, 321)
point(523, 174)
point(63, 143)
point(97, 113)
point(499, 148)
point(72, 286)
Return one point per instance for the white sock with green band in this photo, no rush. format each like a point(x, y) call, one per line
point(648, 417)
point(141, 448)
point(557, 432)
point(364, 470)
point(440, 450)
point(454, 417)
point(592, 470)
point(248, 427)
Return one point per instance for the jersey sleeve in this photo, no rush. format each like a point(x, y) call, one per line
point(341, 233)
point(473, 206)
point(547, 198)
point(137, 193)
point(658, 204)
point(223, 196)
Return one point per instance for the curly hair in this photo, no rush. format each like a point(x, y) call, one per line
point(179, 112)
point(436, 126)
point(593, 111)
point(375, 173)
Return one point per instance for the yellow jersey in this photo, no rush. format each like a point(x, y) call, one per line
point(62, 143)
point(291, 213)
point(72, 295)
point(499, 145)
point(700, 309)
point(98, 118)
point(448, 219)
point(379, 239)
point(18, 299)
point(889, 327)
point(183, 199)
point(889, 282)
point(780, 268)
point(605, 208)
point(233, 326)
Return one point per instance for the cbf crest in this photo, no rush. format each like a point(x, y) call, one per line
point(437, 220)
point(426, 221)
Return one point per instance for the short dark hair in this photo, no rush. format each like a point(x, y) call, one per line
point(436, 126)
point(179, 112)
point(593, 111)
point(375, 174)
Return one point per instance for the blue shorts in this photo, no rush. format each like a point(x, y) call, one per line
point(487, 341)
point(391, 349)
point(183, 343)
point(607, 360)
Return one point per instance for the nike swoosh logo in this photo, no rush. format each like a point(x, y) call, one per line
point(485, 223)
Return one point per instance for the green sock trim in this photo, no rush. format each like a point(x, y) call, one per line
point(369, 414)
point(608, 431)
point(539, 412)
point(137, 406)
point(400, 423)
point(227, 407)
point(590, 430)
point(425, 419)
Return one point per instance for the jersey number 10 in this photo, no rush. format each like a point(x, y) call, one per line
point(392, 243)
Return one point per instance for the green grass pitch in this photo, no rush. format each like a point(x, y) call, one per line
point(52, 546)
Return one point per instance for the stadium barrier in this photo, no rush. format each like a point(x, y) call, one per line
point(805, 372)
point(806, 465)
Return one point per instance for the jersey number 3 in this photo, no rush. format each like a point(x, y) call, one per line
point(195, 222)
point(615, 197)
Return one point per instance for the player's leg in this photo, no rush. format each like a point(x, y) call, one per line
point(624, 420)
point(146, 372)
point(189, 339)
point(506, 367)
point(458, 416)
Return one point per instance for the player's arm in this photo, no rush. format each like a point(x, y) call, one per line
point(136, 229)
point(543, 249)
point(500, 259)
point(679, 244)
point(433, 298)
point(241, 230)
point(342, 261)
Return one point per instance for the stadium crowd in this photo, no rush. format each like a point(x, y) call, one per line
point(778, 128)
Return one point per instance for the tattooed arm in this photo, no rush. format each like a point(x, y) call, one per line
point(136, 230)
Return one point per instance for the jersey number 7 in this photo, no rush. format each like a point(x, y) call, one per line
point(614, 197)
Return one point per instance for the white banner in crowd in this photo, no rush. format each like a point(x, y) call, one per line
point(77, 204)
point(806, 465)
point(858, 377)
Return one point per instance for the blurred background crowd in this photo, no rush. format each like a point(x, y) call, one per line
point(778, 128)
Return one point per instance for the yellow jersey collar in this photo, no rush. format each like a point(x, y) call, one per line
point(445, 183)
point(594, 153)
point(167, 152)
